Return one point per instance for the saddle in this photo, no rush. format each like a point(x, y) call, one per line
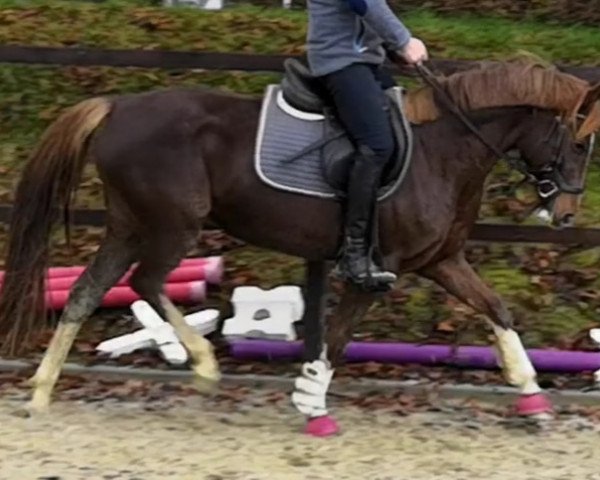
point(300, 89)
point(304, 93)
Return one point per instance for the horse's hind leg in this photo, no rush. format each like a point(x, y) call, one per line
point(459, 279)
point(114, 257)
point(161, 253)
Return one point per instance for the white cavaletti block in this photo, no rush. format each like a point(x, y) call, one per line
point(262, 313)
point(158, 334)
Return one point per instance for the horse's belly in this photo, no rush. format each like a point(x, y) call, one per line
point(292, 224)
point(413, 237)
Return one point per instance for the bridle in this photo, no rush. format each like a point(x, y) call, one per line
point(548, 180)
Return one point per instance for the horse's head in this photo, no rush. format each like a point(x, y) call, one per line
point(554, 148)
point(556, 152)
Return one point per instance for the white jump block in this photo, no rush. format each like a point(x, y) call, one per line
point(595, 336)
point(262, 313)
point(158, 334)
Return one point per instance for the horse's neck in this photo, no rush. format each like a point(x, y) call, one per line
point(447, 146)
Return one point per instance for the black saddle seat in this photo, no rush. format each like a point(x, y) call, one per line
point(300, 88)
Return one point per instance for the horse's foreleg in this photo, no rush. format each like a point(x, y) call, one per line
point(459, 279)
point(113, 259)
point(310, 389)
point(314, 314)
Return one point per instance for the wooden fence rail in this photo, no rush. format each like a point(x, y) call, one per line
point(204, 60)
point(272, 63)
point(482, 232)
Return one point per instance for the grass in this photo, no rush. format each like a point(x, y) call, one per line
point(31, 96)
point(254, 29)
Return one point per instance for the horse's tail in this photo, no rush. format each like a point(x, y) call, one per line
point(46, 188)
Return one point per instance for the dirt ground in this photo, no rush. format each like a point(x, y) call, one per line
point(256, 436)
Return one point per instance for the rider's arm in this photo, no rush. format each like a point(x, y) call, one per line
point(380, 17)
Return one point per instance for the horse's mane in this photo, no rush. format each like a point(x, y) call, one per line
point(521, 82)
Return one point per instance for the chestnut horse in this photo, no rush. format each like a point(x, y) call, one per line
point(172, 159)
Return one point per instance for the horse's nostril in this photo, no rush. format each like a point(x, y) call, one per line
point(568, 220)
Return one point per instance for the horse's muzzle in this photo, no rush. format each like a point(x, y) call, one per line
point(564, 221)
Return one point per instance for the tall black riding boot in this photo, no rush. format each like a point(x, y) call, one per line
point(356, 263)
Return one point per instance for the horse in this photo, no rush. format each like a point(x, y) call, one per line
point(171, 160)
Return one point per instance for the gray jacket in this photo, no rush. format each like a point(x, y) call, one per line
point(343, 32)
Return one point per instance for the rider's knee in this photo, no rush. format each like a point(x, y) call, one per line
point(380, 152)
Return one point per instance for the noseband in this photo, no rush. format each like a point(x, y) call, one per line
point(548, 180)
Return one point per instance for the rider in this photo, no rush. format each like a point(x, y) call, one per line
point(347, 43)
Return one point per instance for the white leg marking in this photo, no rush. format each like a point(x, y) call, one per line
point(49, 370)
point(517, 367)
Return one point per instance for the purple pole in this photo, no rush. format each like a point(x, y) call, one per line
point(559, 361)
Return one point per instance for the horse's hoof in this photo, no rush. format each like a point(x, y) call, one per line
point(30, 410)
point(205, 385)
point(206, 377)
point(322, 427)
point(22, 413)
point(534, 406)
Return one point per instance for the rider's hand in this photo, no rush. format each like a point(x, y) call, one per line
point(414, 52)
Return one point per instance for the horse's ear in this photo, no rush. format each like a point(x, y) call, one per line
point(583, 106)
point(590, 107)
point(591, 97)
point(591, 123)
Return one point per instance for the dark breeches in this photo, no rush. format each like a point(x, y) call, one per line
point(357, 93)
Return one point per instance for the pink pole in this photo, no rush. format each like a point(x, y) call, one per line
point(122, 296)
point(211, 266)
point(212, 273)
